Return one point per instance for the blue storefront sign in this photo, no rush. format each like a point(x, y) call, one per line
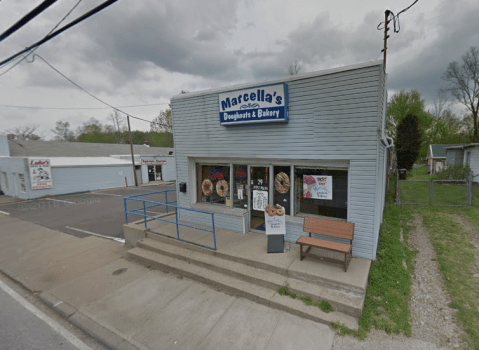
point(264, 104)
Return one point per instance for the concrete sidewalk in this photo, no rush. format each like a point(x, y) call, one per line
point(128, 306)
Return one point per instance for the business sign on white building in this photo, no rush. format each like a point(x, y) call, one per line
point(318, 186)
point(153, 161)
point(264, 104)
point(40, 174)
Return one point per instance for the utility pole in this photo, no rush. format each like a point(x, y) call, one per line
point(386, 36)
point(131, 148)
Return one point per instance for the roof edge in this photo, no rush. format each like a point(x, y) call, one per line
point(279, 80)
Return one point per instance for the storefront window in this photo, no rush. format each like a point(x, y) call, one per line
point(282, 187)
point(320, 191)
point(214, 184)
point(240, 187)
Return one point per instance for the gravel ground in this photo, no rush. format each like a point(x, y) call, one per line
point(433, 322)
point(432, 319)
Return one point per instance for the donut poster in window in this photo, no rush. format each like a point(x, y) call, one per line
point(318, 187)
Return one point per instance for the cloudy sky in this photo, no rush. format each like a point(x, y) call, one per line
point(137, 53)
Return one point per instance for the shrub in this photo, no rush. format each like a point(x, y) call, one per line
point(456, 172)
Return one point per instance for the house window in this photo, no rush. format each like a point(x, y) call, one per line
point(321, 191)
point(3, 181)
point(213, 183)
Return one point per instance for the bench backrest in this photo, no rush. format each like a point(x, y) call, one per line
point(330, 228)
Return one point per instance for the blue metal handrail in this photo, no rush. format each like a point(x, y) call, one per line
point(167, 205)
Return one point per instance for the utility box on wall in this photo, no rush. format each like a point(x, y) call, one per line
point(183, 187)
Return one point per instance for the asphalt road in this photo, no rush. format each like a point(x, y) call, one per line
point(27, 323)
point(100, 212)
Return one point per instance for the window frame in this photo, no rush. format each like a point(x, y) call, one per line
point(329, 164)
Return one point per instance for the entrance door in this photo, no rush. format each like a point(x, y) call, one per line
point(259, 196)
point(151, 173)
point(158, 172)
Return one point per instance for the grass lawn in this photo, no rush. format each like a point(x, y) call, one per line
point(389, 289)
point(456, 261)
point(389, 286)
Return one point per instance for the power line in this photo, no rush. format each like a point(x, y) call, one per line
point(96, 98)
point(395, 18)
point(27, 18)
point(81, 108)
point(32, 51)
point(61, 30)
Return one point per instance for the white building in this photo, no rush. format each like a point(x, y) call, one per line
point(314, 143)
point(32, 169)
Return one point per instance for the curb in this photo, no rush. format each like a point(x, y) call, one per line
point(98, 332)
point(86, 324)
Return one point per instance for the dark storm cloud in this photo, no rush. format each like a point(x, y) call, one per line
point(320, 45)
point(180, 37)
point(457, 29)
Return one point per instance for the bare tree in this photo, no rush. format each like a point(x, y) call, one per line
point(25, 132)
point(163, 122)
point(62, 131)
point(441, 104)
point(463, 79)
point(294, 67)
point(118, 122)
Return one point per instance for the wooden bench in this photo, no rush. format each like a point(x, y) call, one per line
point(338, 229)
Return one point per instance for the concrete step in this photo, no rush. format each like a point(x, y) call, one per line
point(238, 287)
point(299, 275)
point(343, 301)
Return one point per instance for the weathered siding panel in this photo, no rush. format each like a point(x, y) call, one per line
point(12, 167)
point(334, 116)
point(168, 169)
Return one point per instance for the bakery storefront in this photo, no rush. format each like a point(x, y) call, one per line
point(306, 145)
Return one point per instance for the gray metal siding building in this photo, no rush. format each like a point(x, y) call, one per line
point(78, 167)
point(336, 128)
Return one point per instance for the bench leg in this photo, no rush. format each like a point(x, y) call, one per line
point(301, 252)
point(347, 260)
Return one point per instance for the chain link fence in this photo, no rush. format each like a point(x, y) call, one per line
point(436, 192)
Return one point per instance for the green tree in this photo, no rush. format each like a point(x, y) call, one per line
point(408, 142)
point(160, 139)
point(402, 104)
point(91, 131)
point(463, 79)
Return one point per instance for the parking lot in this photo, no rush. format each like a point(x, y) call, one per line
point(99, 212)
